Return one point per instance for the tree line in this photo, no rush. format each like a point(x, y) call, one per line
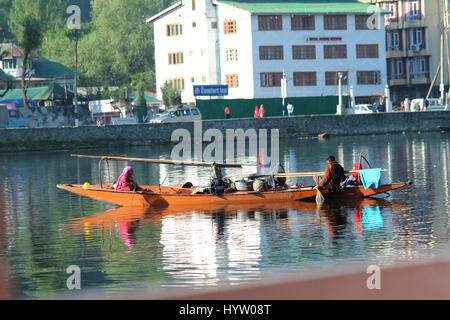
point(115, 47)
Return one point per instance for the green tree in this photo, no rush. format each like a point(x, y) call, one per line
point(5, 6)
point(170, 96)
point(140, 101)
point(29, 34)
point(120, 43)
point(146, 79)
point(51, 14)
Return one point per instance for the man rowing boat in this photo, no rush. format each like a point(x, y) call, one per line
point(334, 175)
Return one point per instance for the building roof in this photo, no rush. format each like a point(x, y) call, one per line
point(4, 76)
point(305, 6)
point(10, 50)
point(147, 97)
point(164, 12)
point(47, 69)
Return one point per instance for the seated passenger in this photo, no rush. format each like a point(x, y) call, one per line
point(126, 181)
point(280, 183)
point(334, 175)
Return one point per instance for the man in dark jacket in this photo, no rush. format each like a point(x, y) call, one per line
point(334, 175)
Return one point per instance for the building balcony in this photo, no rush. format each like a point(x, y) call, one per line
point(397, 80)
point(420, 78)
point(406, 22)
point(393, 53)
point(417, 51)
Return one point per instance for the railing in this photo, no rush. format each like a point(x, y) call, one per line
point(419, 75)
point(393, 48)
point(413, 17)
point(397, 77)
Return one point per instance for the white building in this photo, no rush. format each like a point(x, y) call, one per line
point(248, 45)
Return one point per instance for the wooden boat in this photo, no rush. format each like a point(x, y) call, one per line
point(184, 196)
point(161, 196)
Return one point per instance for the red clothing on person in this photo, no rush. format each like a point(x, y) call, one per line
point(126, 182)
point(256, 112)
point(357, 166)
point(334, 175)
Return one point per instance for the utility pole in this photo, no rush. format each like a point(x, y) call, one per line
point(339, 107)
point(441, 87)
point(446, 39)
point(75, 88)
point(283, 89)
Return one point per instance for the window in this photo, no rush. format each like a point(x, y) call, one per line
point(271, 79)
point(271, 52)
point(368, 77)
point(392, 7)
point(231, 55)
point(412, 10)
point(394, 40)
point(418, 67)
point(229, 26)
point(192, 79)
point(396, 69)
point(332, 78)
point(232, 80)
point(214, 25)
point(176, 58)
point(335, 22)
point(174, 29)
point(302, 22)
point(194, 24)
point(193, 5)
point(302, 79)
point(177, 83)
point(194, 112)
point(416, 38)
point(335, 51)
point(361, 22)
point(366, 51)
point(303, 52)
point(270, 22)
point(10, 64)
point(203, 79)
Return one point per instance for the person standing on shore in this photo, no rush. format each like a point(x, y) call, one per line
point(261, 111)
point(407, 104)
point(290, 109)
point(227, 112)
point(256, 114)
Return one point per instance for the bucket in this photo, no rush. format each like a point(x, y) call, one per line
point(241, 186)
point(259, 185)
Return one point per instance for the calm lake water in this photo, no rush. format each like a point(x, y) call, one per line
point(44, 230)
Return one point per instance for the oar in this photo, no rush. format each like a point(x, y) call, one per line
point(164, 161)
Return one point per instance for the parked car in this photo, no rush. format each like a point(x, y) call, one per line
point(362, 108)
point(433, 104)
point(11, 118)
point(179, 114)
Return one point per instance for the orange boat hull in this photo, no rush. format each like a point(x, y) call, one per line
point(184, 197)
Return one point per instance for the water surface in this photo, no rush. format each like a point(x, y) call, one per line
point(44, 230)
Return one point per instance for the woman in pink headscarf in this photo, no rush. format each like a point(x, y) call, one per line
point(126, 181)
point(256, 115)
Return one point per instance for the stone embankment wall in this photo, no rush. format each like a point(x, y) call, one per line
point(56, 116)
point(148, 134)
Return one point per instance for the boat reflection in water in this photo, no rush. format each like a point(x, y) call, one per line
point(234, 244)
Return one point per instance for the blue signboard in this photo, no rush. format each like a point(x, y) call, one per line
point(211, 90)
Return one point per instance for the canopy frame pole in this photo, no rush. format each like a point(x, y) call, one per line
point(100, 173)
